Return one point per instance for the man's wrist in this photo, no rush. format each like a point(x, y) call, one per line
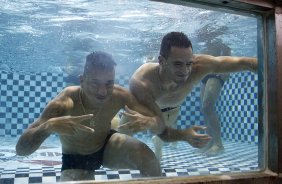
point(156, 126)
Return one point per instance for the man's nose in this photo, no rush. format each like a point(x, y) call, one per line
point(184, 70)
point(102, 90)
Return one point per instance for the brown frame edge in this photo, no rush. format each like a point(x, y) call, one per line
point(266, 177)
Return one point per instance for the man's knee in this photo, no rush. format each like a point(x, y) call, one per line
point(157, 140)
point(148, 163)
point(142, 149)
point(207, 107)
point(144, 153)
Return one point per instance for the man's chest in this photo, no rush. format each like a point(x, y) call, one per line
point(172, 98)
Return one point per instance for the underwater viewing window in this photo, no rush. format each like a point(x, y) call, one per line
point(44, 45)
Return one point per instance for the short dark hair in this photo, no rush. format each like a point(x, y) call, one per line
point(176, 39)
point(99, 59)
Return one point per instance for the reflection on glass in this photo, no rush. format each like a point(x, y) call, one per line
point(43, 49)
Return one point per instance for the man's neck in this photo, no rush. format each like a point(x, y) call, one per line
point(165, 82)
point(87, 104)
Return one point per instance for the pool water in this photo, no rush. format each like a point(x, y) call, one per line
point(43, 45)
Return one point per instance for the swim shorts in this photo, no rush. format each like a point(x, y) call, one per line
point(85, 162)
point(168, 109)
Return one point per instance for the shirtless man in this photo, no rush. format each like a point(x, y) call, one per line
point(163, 86)
point(210, 91)
point(81, 116)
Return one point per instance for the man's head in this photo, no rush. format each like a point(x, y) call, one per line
point(174, 39)
point(98, 77)
point(100, 60)
point(176, 57)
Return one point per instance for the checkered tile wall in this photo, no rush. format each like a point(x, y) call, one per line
point(24, 96)
point(237, 108)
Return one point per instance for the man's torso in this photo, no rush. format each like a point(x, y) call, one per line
point(175, 96)
point(83, 142)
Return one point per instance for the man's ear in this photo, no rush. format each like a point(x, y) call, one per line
point(161, 60)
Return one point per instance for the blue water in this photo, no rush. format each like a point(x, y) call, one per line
point(55, 36)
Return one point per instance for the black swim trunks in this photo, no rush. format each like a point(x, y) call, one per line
point(168, 109)
point(217, 76)
point(85, 162)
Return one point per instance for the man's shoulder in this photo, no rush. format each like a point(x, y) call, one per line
point(72, 88)
point(202, 61)
point(121, 94)
point(119, 87)
point(120, 90)
point(202, 57)
point(146, 68)
point(146, 72)
point(150, 66)
point(67, 93)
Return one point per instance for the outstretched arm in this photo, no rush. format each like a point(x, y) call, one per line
point(225, 64)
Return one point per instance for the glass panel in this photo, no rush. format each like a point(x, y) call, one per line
point(43, 49)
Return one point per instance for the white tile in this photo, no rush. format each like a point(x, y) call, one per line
point(171, 174)
point(193, 173)
point(101, 177)
point(49, 179)
point(22, 180)
point(125, 176)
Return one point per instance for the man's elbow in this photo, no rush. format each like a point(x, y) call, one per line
point(253, 65)
point(250, 64)
point(22, 150)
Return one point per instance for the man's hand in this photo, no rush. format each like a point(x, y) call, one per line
point(135, 122)
point(195, 139)
point(69, 125)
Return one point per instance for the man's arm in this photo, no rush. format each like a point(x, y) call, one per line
point(142, 91)
point(52, 120)
point(189, 135)
point(38, 131)
point(139, 122)
point(225, 64)
point(166, 133)
point(138, 117)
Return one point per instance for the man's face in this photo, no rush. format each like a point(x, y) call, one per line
point(98, 84)
point(178, 65)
